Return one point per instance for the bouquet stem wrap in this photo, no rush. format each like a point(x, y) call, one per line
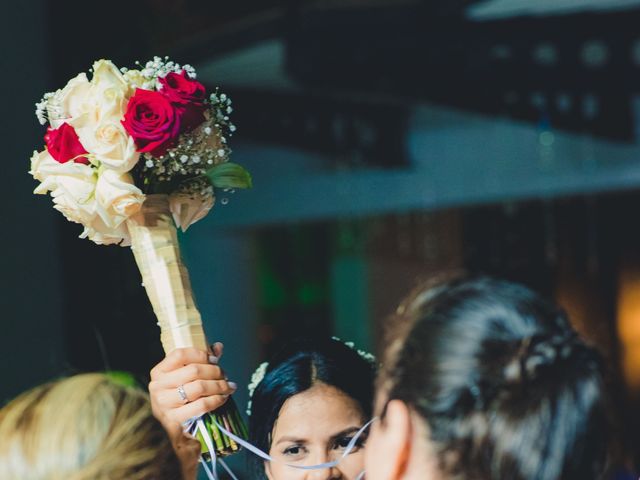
point(154, 242)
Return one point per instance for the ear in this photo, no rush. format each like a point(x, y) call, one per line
point(398, 436)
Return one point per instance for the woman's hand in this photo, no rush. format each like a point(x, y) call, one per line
point(188, 383)
point(194, 374)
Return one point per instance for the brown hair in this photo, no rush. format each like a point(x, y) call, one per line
point(505, 386)
point(85, 427)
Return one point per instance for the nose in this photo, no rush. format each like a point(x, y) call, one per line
point(331, 473)
point(325, 474)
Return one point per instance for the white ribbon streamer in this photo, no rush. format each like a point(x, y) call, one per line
point(195, 425)
point(212, 451)
point(350, 446)
point(210, 473)
point(226, 467)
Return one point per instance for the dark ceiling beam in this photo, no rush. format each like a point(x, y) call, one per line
point(574, 72)
point(351, 133)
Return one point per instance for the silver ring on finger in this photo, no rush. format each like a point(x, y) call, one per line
point(183, 394)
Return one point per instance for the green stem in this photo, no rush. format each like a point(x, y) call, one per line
point(229, 417)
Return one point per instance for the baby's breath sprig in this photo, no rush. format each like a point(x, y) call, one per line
point(194, 154)
point(197, 152)
point(159, 68)
point(48, 108)
point(41, 108)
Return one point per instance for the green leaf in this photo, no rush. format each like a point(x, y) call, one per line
point(125, 379)
point(229, 175)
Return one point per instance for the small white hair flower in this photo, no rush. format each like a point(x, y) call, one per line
point(256, 378)
point(369, 357)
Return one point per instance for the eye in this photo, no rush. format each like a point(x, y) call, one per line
point(343, 441)
point(294, 450)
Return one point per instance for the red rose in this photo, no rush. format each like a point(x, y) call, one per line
point(180, 88)
point(188, 95)
point(63, 144)
point(152, 121)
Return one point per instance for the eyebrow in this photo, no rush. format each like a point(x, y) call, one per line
point(344, 432)
point(291, 439)
point(341, 433)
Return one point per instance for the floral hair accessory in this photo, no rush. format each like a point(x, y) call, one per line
point(256, 378)
point(369, 357)
point(261, 371)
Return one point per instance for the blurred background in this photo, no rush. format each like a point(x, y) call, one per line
point(390, 142)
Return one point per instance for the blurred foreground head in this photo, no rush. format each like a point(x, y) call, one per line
point(486, 380)
point(81, 428)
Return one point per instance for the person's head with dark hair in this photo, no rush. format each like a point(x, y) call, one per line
point(314, 396)
point(488, 381)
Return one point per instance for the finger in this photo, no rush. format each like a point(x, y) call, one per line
point(207, 388)
point(217, 349)
point(179, 358)
point(170, 398)
point(198, 408)
point(194, 391)
point(186, 374)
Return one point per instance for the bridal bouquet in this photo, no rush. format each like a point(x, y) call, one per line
point(131, 155)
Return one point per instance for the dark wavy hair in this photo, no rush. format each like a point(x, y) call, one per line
point(298, 367)
point(506, 387)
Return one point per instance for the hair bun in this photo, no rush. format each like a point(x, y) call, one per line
point(539, 352)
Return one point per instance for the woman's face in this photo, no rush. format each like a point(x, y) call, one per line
point(314, 427)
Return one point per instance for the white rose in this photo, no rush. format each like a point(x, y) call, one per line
point(187, 208)
point(99, 128)
point(69, 102)
point(110, 89)
point(76, 188)
point(72, 186)
point(117, 197)
point(43, 165)
point(107, 140)
point(100, 233)
point(73, 197)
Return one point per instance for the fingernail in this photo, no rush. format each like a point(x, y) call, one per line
point(233, 385)
point(213, 360)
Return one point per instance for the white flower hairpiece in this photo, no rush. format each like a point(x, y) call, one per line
point(261, 371)
point(369, 357)
point(256, 378)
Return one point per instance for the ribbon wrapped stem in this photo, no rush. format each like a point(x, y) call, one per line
point(154, 242)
